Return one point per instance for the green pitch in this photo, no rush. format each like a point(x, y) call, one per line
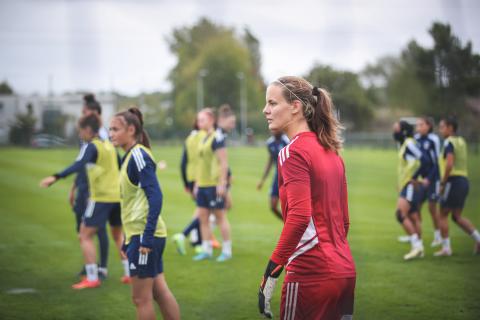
point(39, 249)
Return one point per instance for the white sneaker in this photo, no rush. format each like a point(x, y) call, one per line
point(436, 243)
point(414, 253)
point(443, 253)
point(403, 239)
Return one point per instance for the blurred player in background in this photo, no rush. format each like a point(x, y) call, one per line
point(211, 186)
point(188, 170)
point(313, 247)
point(100, 160)
point(411, 163)
point(274, 144)
point(145, 230)
point(429, 143)
point(454, 185)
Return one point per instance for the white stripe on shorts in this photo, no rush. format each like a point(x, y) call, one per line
point(142, 259)
point(409, 194)
point(291, 301)
point(90, 208)
point(448, 186)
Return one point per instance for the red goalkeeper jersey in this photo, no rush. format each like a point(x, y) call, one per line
point(313, 194)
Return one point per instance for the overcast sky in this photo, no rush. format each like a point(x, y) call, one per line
point(120, 45)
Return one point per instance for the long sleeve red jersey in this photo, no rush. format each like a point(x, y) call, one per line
point(313, 194)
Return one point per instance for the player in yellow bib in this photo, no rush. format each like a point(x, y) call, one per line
point(145, 230)
point(101, 163)
point(454, 185)
point(211, 186)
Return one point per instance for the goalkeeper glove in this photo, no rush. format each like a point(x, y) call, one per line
point(267, 286)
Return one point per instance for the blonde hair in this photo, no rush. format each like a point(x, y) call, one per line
point(318, 109)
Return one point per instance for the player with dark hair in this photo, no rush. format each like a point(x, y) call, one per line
point(429, 143)
point(454, 185)
point(145, 230)
point(100, 161)
point(274, 144)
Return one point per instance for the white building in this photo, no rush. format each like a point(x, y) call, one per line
point(69, 105)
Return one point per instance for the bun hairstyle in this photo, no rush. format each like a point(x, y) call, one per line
point(133, 117)
point(318, 109)
point(89, 97)
point(91, 103)
point(92, 121)
point(406, 129)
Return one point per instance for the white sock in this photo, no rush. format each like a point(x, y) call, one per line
point(103, 270)
point(227, 247)
point(92, 271)
point(126, 268)
point(476, 235)
point(194, 236)
point(446, 243)
point(207, 247)
point(436, 235)
point(414, 241)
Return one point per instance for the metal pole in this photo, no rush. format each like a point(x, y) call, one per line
point(243, 104)
point(200, 99)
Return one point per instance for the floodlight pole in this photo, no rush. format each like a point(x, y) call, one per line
point(200, 99)
point(243, 104)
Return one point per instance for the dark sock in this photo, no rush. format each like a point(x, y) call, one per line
point(194, 224)
point(103, 245)
point(199, 241)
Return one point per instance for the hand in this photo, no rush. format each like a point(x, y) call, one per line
point(144, 250)
point(221, 190)
point(162, 165)
point(426, 182)
point(71, 197)
point(260, 185)
point(195, 191)
point(48, 181)
point(267, 286)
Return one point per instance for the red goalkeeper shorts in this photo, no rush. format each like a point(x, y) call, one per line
point(317, 300)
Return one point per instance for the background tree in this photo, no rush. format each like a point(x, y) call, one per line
point(218, 55)
point(350, 98)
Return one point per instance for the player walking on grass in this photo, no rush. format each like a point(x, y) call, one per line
point(411, 164)
point(454, 185)
point(274, 144)
point(429, 143)
point(145, 230)
point(79, 200)
point(313, 247)
point(211, 186)
point(188, 169)
point(101, 162)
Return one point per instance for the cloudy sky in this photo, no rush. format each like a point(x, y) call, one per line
point(120, 44)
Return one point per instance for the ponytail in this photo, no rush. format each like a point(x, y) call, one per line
point(324, 122)
point(318, 109)
point(133, 116)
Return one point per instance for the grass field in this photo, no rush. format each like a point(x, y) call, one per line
point(39, 249)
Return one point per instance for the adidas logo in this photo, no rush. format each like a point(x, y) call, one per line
point(132, 266)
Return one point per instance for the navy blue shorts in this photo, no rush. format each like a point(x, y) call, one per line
point(433, 192)
point(79, 207)
point(148, 265)
point(274, 189)
point(98, 213)
point(455, 193)
point(207, 198)
point(413, 195)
